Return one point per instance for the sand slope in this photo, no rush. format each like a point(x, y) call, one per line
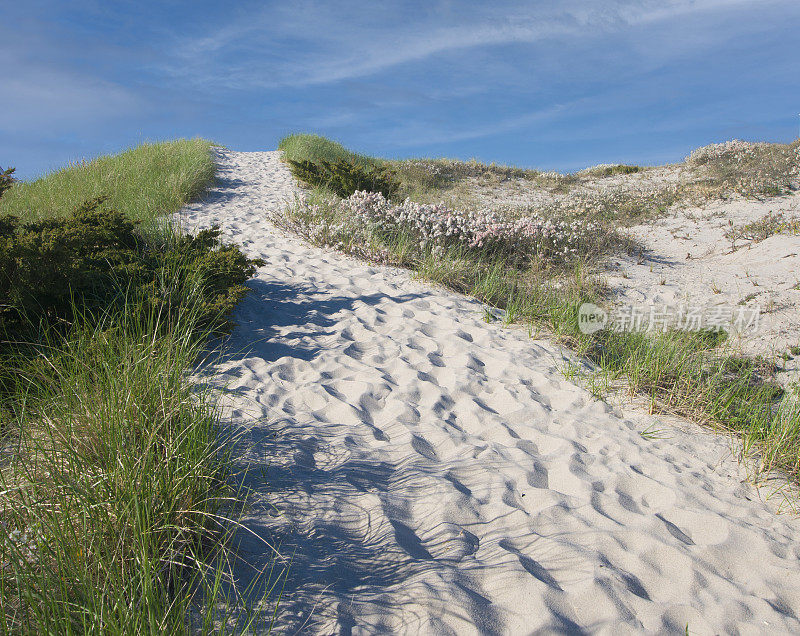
point(688, 260)
point(432, 473)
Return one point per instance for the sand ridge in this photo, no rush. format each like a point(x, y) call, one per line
point(429, 473)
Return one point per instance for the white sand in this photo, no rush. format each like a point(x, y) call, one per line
point(432, 473)
point(689, 261)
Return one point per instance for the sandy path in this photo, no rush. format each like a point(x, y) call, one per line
point(432, 473)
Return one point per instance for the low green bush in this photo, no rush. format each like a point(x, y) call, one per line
point(344, 177)
point(620, 169)
point(97, 259)
point(612, 170)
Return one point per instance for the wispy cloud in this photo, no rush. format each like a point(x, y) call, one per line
point(44, 100)
point(333, 42)
point(42, 93)
point(533, 81)
point(415, 135)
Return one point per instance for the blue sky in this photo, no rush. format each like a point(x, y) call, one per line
point(552, 84)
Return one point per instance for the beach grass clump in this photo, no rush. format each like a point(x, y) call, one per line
point(113, 477)
point(690, 373)
point(113, 471)
point(143, 182)
point(314, 148)
point(687, 373)
point(761, 229)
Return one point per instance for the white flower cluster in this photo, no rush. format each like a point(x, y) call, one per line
point(436, 225)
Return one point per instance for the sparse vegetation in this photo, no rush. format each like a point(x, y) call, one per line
point(612, 170)
point(761, 229)
point(747, 169)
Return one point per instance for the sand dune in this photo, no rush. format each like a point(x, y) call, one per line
point(431, 473)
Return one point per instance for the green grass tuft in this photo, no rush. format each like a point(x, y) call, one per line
point(115, 480)
point(305, 147)
point(144, 182)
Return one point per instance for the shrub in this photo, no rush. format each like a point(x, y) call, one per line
point(610, 171)
point(92, 257)
point(96, 260)
point(6, 180)
point(45, 264)
point(222, 270)
point(345, 177)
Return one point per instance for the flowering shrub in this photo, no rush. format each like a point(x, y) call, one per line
point(734, 150)
point(350, 223)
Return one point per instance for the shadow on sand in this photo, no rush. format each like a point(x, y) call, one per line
point(328, 570)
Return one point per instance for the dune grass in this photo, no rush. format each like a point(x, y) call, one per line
point(420, 179)
point(113, 472)
point(149, 180)
point(113, 483)
point(697, 375)
point(306, 147)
